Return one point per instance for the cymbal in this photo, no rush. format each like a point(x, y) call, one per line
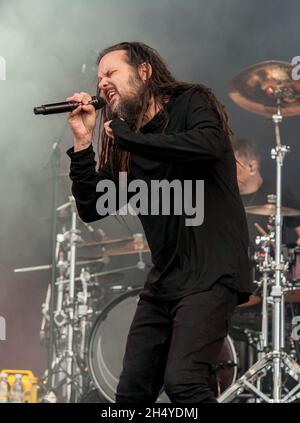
point(105, 241)
point(258, 87)
point(130, 248)
point(93, 261)
point(270, 210)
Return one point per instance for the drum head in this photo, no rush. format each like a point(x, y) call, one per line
point(107, 348)
point(108, 341)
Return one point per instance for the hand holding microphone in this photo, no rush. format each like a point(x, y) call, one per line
point(82, 120)
point(82, 116)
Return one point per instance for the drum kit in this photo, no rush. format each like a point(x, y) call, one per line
point(268, 89)
point(85, 283)
point(92, 308)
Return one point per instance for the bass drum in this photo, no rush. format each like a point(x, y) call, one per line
point(107, 344)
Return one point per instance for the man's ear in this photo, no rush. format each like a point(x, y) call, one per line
point(145, 71)
point(254, 166)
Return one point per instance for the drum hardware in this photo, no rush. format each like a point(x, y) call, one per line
point(258, 89)
point(104, 273)
point(132, 247)
point(74, 311)
point(268, 89)
point(66, 311)
point(67, 315)
point(265, 266)
point(45, 314)
point(104, 242)
point(270, 209)
point(70, 313)
point(254, 339)
point(294, 261)
point(103, 260)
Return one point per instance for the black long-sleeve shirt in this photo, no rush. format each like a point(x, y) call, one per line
point(193, 146)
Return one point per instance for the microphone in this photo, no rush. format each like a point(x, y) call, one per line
point(67, 106)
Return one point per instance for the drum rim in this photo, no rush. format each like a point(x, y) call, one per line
point(130, 293)
point(235, 359)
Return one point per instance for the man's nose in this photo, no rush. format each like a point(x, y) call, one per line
point(103, 84)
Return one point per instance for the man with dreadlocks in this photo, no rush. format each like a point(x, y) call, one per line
point(157, 128)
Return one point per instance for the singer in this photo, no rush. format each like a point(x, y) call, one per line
point(155, 127)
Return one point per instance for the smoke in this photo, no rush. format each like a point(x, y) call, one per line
point(45, 45)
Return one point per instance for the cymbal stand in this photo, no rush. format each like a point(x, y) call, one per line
point(63, 362)
point(74, 238)
point(45, 313)
point(265, 267)
point(83, 310)
point(277, 361)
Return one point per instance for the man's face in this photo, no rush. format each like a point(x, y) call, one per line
point(118, 82)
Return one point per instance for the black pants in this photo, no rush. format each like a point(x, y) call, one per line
point(173, 344)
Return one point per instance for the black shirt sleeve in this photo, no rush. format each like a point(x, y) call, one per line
point(85, 179)
point(203, 139)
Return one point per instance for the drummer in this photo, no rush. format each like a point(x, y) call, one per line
point(254, 190)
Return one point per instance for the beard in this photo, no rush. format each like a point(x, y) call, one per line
point(129, 107)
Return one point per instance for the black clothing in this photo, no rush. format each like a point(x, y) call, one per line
point(174, 344)
point(193, 146)
point(199, 273)
point(260, 197)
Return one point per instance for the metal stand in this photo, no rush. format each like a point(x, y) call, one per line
point(276, 361)
point(63, 362)
point(73, 315)
point(55, 156)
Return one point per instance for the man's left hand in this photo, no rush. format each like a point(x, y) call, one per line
point(108, 130)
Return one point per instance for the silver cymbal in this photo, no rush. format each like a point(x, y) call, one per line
point(270, 210)
point(49, 266)
point(258, 87)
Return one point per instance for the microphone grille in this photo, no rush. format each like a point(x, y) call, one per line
point(98, 102)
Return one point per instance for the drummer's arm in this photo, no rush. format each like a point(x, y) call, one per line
point(297, 230)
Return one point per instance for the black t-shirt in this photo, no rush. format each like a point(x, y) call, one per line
point(193, 146)
point(260, 197)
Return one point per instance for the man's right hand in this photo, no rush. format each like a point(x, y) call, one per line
point(82, 121)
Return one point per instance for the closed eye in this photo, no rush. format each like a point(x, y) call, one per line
point(111, 72)
point(107, 74)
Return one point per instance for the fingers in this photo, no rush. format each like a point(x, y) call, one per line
point(75, 112)
point(88, 108)
point(108, 130)
point(82, 97)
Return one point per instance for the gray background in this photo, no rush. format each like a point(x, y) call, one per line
point(45, 43)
